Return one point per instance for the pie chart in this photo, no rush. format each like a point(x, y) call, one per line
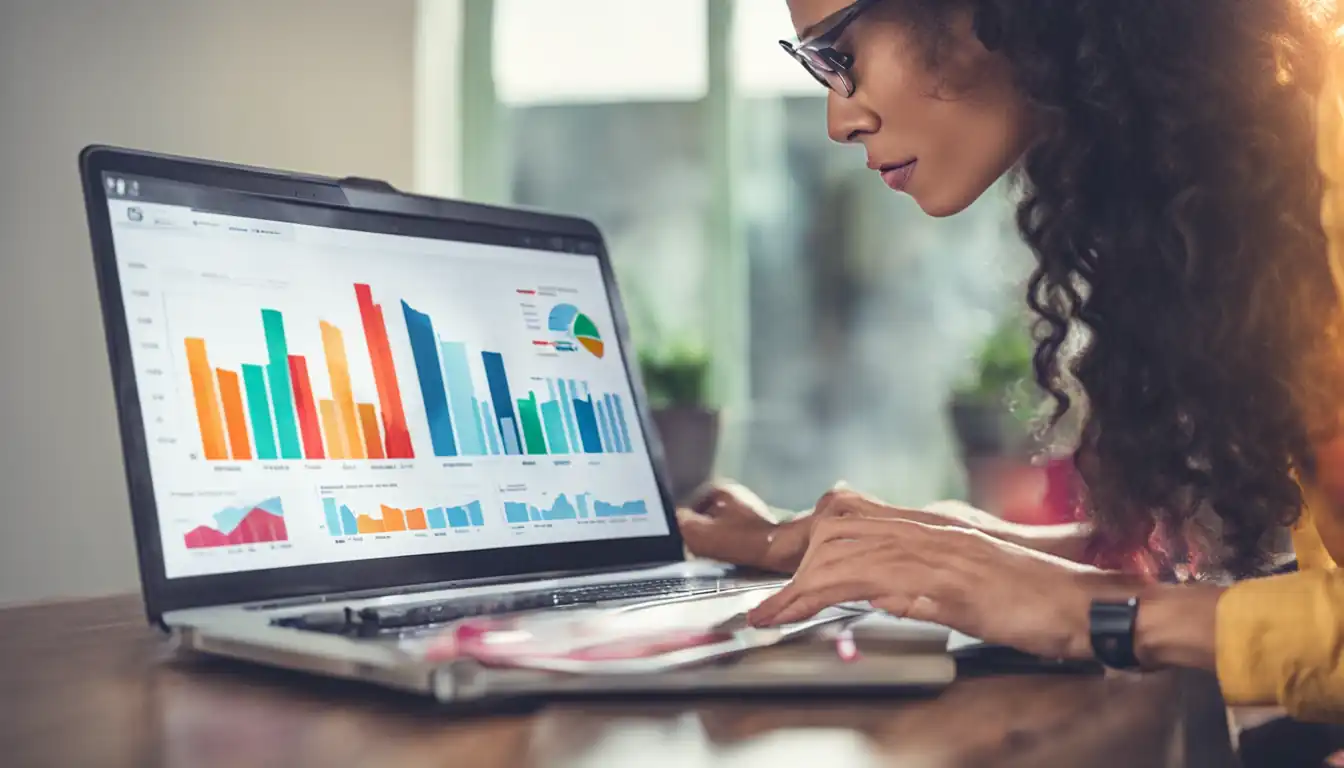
point(567, 319)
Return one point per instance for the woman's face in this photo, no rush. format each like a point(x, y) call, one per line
point(943, 137)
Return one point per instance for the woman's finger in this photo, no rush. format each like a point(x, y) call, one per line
point(805, 603)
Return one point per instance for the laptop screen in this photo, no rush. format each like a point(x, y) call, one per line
point(315, 395)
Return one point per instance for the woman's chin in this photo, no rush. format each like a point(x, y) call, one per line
point(942, 206)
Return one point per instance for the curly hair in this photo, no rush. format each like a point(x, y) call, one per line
point(1173, 202)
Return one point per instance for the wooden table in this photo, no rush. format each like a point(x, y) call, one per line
point(89, 684)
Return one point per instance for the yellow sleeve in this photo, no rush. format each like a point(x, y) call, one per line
point(1280, 641)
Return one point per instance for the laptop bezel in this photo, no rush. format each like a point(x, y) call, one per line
point(342, 199)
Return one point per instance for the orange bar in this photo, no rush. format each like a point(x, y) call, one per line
point(368, 417)
point(207, 405)
point(331, 427)
point(415, 520)
point(232, 395)
point(338, 368)
point(366, 524)
point(393, 519)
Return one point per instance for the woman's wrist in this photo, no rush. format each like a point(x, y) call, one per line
point(1177, 625)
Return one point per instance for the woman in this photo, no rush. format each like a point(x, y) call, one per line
point(1166, 160)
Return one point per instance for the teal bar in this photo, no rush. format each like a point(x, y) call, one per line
point(436, 518)
point(333, 517)
point(281, 393)
point(462, 398)
point(555, 427)
point(567, 408)
point(475, 513)
point(457, 517)
point(604, 427)
point(489, 424)
point(259, 408)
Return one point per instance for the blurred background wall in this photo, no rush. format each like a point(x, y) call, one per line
point(837, 322)
point(315, 85)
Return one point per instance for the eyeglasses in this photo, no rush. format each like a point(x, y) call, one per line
point(818, 56)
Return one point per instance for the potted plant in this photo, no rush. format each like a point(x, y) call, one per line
point(990, 410)
point(677, 380)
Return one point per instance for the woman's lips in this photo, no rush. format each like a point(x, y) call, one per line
point(898, 176)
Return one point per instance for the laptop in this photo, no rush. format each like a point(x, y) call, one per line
point(351, 415)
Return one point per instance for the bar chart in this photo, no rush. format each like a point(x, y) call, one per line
point(583, 507)
point(342, 519)
point(573, 420)
point(260, 523)
point(268, 410)
point(557, 417)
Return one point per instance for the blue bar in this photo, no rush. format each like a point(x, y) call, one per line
point(613, 409)
point(583, 412)
point(348, 521)
point(488, 415)
point(511, 446)
point(555, 427)
point(501, 395)
point(583, 504)
point(562, 509)
point(333, 517)
point(625, 510)
point(461, 396)
point(619, 410)
point(604, 426)
point(515, 512)
point(475, 513)
point(436, 518)
point(480, 432)
point(536, 514)
point(425, 351)
point(457, 517)
point(566, 409)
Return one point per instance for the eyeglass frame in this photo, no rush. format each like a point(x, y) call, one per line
point(821, 46)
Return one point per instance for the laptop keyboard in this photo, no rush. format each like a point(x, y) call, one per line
point(396, 619)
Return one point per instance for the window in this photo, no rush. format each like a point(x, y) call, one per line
point(600, 127)
point(861, 313)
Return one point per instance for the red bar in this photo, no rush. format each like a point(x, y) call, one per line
point(398, 437)
point(303, 403)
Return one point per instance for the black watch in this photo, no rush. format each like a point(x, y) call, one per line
point(1112, 626)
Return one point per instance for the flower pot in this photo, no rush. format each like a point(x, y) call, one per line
point(987, 439)
point(982, 428)
point(690, 437)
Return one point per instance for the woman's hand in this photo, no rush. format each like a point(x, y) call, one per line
point(966, 579)
point(731, 524)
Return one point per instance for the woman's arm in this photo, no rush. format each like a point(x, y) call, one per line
point(1276, 640)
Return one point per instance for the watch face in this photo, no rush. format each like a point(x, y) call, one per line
point(1112, 629)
